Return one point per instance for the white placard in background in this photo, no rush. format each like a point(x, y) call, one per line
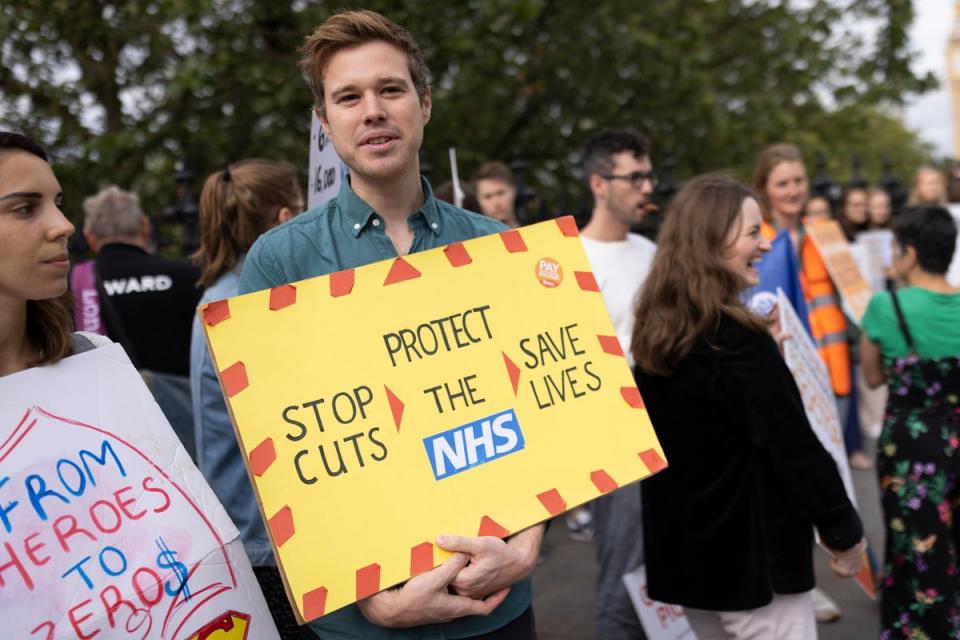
point(813, 379)
point(660, 621)
point(873, 251)
point(327, 171)
point(953, 274)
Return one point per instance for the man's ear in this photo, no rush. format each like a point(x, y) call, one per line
point(426, 103)
point(145, 230)
point(323, 120)
point(910, 255)
point(284, 215)
point(92, 240)
point(596, 184)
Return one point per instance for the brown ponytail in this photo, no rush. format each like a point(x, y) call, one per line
point(237, 205)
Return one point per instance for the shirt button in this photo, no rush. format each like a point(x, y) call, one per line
point(434, 225)
point(376, 222)
point(356, 226)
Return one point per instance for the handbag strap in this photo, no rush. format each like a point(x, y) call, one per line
point(902, 322)
point(80, 343)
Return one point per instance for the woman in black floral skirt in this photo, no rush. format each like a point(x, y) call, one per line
point(911, 341)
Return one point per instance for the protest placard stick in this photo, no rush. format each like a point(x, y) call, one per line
point(455, 177)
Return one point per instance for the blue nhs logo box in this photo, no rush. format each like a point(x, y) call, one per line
point(473, 444)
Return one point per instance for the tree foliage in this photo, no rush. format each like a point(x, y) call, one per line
point(121, 89)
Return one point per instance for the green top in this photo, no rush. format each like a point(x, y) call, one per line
point(933, 320)
point(342, 234)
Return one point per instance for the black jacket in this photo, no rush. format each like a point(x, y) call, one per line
point(155, 299)
point(730, 521)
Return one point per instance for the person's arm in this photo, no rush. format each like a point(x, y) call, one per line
point(494, 563)
point(762, 386)
point(871, 362)
point(426, 599)
point(456, 588)
point(260, 270)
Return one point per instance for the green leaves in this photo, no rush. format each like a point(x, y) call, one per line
point(119, 90)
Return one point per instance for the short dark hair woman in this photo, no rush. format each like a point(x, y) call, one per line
point(728, 526)
point(911, 341)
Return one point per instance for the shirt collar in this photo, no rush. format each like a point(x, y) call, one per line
point(358, 213)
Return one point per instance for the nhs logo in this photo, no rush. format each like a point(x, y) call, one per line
point(473, 444)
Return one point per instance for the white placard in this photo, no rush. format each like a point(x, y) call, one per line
point(660, 621)
point(873, 251)
point(327, 171)
point(107, 529)
point(953, 273)
point(813, 379)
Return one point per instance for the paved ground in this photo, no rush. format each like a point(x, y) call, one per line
point(563, 584)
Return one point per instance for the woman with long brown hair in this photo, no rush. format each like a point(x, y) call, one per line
point(237, 205)
point(36, 317)
point(728, 525)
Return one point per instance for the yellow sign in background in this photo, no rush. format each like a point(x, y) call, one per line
point(473, 389)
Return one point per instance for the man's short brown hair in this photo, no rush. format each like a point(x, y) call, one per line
point(351, 28)
point(494, 171)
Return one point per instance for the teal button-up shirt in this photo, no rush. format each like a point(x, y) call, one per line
point(346, 233)
point(342, 234)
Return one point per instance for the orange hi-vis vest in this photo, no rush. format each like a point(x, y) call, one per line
point(827, 322)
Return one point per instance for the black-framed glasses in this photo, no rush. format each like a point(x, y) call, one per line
point(636, 179)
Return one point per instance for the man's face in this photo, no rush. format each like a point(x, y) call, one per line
point(373, 113)
point(496, 199)
point(624, 198)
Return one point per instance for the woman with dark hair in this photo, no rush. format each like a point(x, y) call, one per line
point(36, 316)
point(728, 526)
point(237, 205)
point(911, 342)
point(853, 212)
point(879, 209)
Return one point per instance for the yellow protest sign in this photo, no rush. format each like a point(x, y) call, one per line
point(474, 389)
point(841, 265)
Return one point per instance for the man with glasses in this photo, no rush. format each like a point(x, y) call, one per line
point(620, 175)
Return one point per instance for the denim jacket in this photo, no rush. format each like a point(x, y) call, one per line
point(218, 454)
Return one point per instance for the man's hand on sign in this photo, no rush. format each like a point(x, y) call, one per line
point(426, 599)
point(494, 563)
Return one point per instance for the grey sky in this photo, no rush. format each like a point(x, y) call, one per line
point(929, 115)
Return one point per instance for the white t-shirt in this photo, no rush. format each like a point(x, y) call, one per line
point(620, 268)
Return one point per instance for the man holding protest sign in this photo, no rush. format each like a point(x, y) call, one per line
point(373, 101)
point(620, 176)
